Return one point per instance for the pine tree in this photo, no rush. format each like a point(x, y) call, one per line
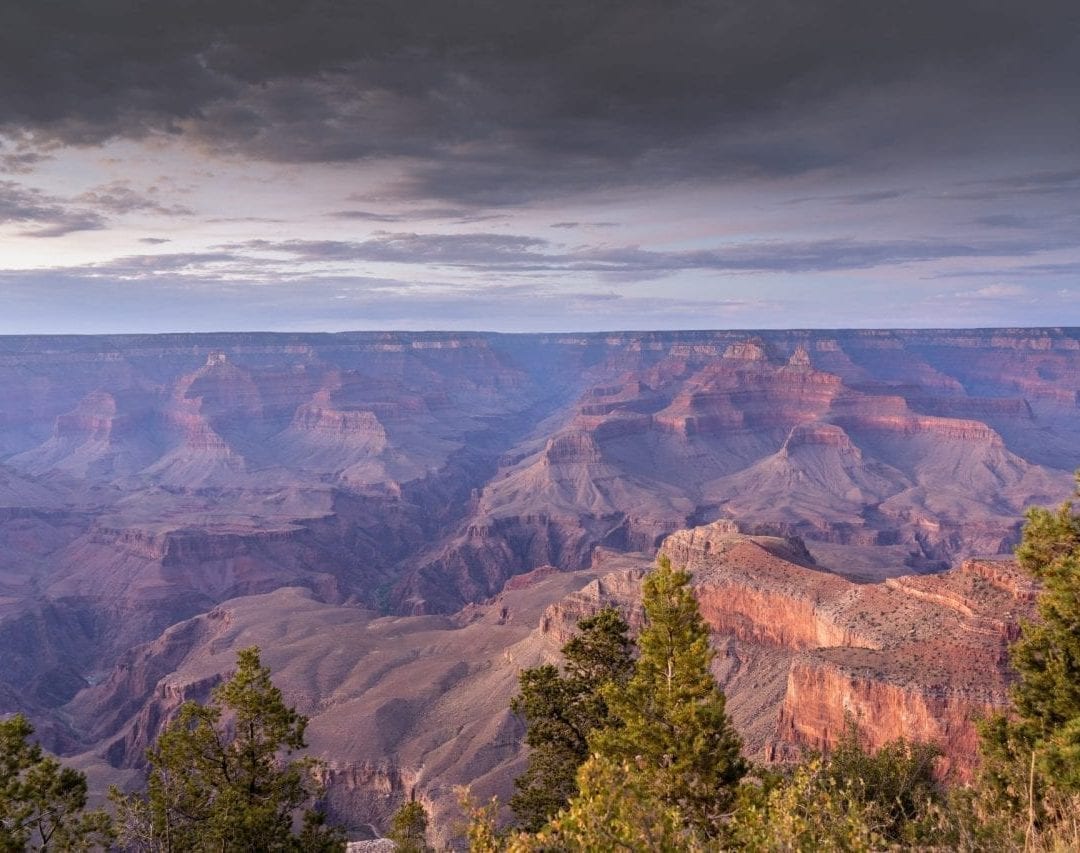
point(42, 803)
point(1031, 759)
point(221, 777)
point(1047, 655)
point(408, 829)
point(674, 727)
point(561, 709)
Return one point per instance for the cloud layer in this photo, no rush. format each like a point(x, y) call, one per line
point(538, 163)
point(500, 102)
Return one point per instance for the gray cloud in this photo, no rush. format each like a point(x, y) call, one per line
point(858, 198)
point(499, 103)
point(45, 215)
point(48, 215)
point(140, 266)
point(171, 301)
point(1070, 269)
point(460, 215)
point(503, 252)
point(20, 160)
point(1014, 187)
point(1005, 220)
point(463, 250)
point(119, 197)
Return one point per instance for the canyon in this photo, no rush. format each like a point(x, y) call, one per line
point(401, 521)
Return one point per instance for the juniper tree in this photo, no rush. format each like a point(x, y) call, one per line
point(222, 776)
point(615, 810)
point(408, 829)
point(896, 782)
point(672, 722)
point(560, 710)
point(1036, 751)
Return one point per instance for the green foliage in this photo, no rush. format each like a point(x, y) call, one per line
point(675, 735)
point(42, 803)
point(481, 830)
point(811, 811)
point(897, 782)
point(615, 811)
point(1031, 759)
point(221, 777)
point(1029, 786)
point(561, 709)
point(1006, 781)
point(408, 830)
point(601, 653)
point(1047, 655)
point(856, 799)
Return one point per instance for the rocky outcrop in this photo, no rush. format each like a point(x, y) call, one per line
point(801, 651)
point(321, 418)
point(824, 696)
point(574, 447)
point(920, 657)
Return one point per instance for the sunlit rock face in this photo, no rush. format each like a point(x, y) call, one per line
point(146, 480)
point(918, 656)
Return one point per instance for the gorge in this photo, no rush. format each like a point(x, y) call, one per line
point(401, 521)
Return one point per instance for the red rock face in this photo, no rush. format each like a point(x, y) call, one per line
point(920, 657)
point(143, 480)
point(802, 650)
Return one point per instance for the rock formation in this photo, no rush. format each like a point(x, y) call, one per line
point(146, 481)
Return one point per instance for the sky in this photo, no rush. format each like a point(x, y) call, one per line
point(537, 165)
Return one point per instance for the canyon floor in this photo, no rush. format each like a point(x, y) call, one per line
point(403, 520)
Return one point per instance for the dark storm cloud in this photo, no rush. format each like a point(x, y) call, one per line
point(499, 101)
point(44, 215)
